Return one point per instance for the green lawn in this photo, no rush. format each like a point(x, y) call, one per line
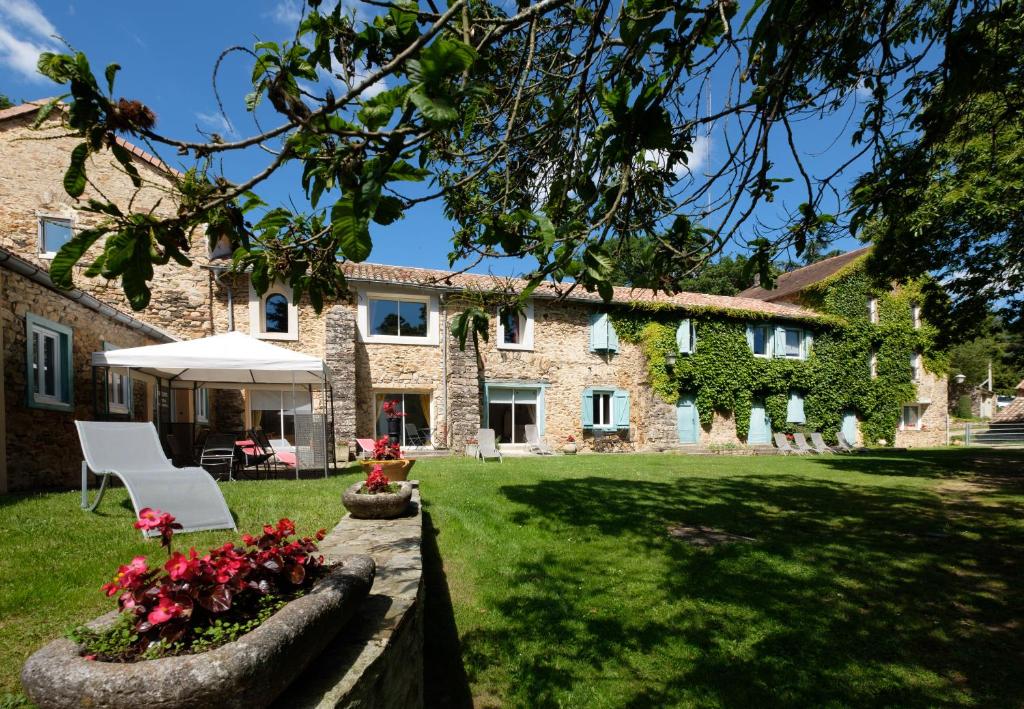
point(884, 579)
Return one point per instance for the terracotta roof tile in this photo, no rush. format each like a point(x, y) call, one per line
point(795, 281)
point(449, 280)
point(32, 106)
point(1012, 412)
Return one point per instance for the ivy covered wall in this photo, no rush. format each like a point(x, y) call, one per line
point(725, 376)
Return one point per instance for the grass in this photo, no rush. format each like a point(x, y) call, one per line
point(884, 579)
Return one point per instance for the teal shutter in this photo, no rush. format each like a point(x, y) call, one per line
point(540, 411)
point(684, 340)
point(613, 337)
point(621, 408)
point(780, 342)
point(795, 408)
point(598, 332)
point(67, 374)
point(808, 343)
point(750, 336)
point(587, 417)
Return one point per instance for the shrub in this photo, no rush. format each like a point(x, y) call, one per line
point(384, 449)
point(963, 407)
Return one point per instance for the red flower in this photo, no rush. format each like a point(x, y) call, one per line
point(182, 568)
point(285, 527)
point(390, 409)
point(127, 576)
point(161, 522)
point(249, 540)
point(377, 481)
point(165, 610)
point(384, 449)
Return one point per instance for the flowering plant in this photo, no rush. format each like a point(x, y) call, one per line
point(471, 441)
point(570, 439)
point(384, 449)
point(170, 608)
point(377, 482)
point(391, 410)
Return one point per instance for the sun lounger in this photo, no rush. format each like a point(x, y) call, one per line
point(536, 444)
point(132, 453)
point(819, 443)
point(782, 443)
point(486, 446)
point(801, 443)
point(366, 447)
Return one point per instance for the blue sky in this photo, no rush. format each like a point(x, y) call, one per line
point(167, 51)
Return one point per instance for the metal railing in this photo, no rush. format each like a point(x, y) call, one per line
point(990, 434)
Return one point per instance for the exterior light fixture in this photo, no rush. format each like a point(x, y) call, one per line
point(960, 378)
point(670, 360)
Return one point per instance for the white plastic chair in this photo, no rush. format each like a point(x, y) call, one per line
point(132, 452)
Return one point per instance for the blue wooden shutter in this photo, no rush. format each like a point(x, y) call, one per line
point(780, 342)
point(598, 332)
point(67, 372)
point(621, 408)
point(684, 341)
point(795, 408)
point(750, 336)
point(613, 337)
point(808, 343)
point(587, 417)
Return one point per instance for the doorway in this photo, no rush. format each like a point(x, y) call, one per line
point(510, 411)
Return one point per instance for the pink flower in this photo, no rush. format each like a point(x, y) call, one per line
point(182, 568)
point(162, 522)
point(165, 610)
point(127, 576)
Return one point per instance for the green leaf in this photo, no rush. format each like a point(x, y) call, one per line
point(401, 170)
point(389, 210)
point(61, 268)
point(43, 113)
point(436, 110)
point(74, 178)
point(110, 73)
point(350, 229)
point(124, 157)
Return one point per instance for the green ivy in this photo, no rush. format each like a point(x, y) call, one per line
point(724, 375)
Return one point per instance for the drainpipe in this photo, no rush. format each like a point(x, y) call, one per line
point(444, 367)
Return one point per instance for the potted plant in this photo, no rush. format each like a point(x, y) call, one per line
point(570, 445)
point(388, 455)
point(394, 415)
point(232, 627)
point(377, 497)
point(472, 447)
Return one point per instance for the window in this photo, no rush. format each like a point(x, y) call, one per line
point(911, 418)
point(510, 410)
point(760, 339)
point(203, 405)
point(515, 328)
point(873, 364)
point(119, 386)
point(273, 316)
point(792, 340)
point(606, 409)
point(49, 364)
point(873, 310)
point(686, 337)
point(398, 318)
point(404, 417)
point(795, 408)
point(915, 367)
point(274, 411)
point(53, 234)
point(915, 315)
point(603, 337)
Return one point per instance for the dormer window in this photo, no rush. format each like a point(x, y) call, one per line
point(273, 316)
point(515, 328)
point(54, 232)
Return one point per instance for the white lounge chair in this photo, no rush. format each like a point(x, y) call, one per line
point(132, 452)
point(536, 444)
point(819, 443)
point(486, 446)
point(801, 443)
point(782, 443)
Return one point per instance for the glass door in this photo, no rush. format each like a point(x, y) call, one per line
point(404, 417)
point(510, 411)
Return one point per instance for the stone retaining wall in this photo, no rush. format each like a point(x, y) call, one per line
point(376, 662)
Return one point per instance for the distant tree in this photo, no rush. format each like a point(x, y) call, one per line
point(996, 344)
point(636, 267)
point(5, 102)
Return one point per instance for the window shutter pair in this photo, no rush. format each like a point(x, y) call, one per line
point(685, 337)
point(588, 408)
point(620, 407)
point(795, 408)
point(603, 337)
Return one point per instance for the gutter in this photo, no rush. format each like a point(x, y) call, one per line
point(37, 275)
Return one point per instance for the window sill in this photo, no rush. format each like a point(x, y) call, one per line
point(48, 255)
point(527, 347)
point(276, 336)
point(114, 409)
point(398, 340)
point(51, 406)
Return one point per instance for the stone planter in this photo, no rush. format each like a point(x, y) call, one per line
point(396, 470)
point(249, 672)
point(569, 449)
point(383, 505)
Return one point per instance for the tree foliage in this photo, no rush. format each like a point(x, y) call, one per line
point(560, 132)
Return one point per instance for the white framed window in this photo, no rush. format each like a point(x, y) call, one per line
point(792, 343)
point(873, 364)
point(873, 310)
point(274, 410)
point(915, 315)
point(273, 315)
point(54, 232)
point(602, 409)
point(404, 417)
point(605, 408)
point(910, 418)
point(50, 370)
point(515, 328)
point(203, 405)
point(761, 340)
point(407, 318)
point(511, 408)
point(915, 367)
point(119, 386)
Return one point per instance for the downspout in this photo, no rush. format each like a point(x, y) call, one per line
point(444, 369)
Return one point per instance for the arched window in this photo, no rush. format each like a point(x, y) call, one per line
point(275, 310)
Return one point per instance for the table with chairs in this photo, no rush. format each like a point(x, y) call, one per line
point(232, 455)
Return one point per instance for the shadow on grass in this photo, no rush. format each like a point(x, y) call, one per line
point(852, 595)
point(444, 676)
point(931, 463)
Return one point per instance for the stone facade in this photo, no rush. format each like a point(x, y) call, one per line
point(42, 445)
point(932, 391)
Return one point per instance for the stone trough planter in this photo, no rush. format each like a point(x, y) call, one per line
point(396, 470)
point(383, 505)
point(249, 672)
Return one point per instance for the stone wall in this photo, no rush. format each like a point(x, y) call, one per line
point(42, 445)
point(377, 661)
point(339, 347)
point(932, 388)
point(181, 296)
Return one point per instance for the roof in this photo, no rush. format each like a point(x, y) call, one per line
point(455, 281)
point(29, 107)
point(1012, 412)
point(795, 281)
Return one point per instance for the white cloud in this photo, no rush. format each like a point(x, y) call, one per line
point(696, 158)
point(25, 33)
point(287, 12)
point(216, 122)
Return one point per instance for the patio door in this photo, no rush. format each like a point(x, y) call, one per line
point(509, 411)
point(686, 419)
point(760, 432)
point(412, 426)
point(849, 427)
point(274, 411)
